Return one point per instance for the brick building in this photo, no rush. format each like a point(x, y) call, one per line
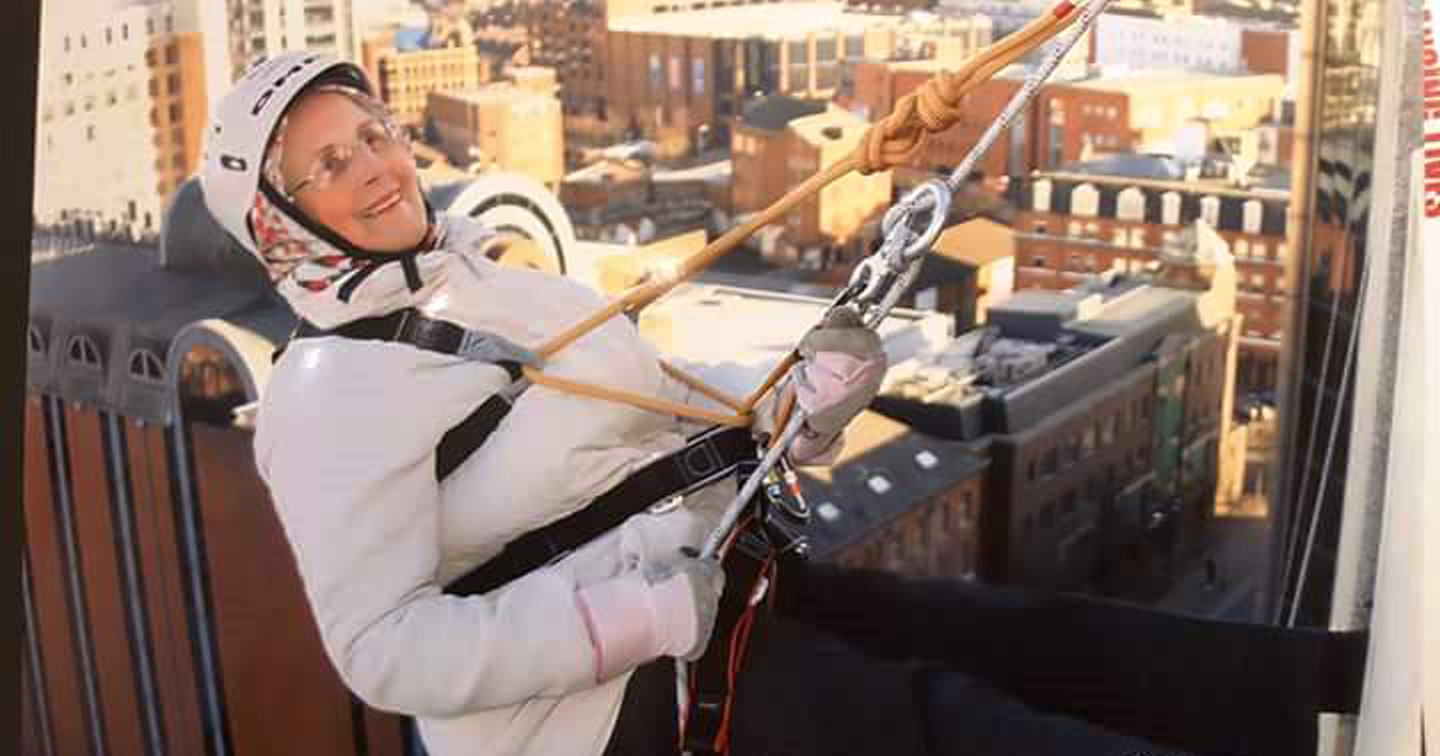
point(1070, 226)
point(1104, 412)
point(512, 126)
point(1084, 118)
point(778, 143)
point(120, 114)
point(1192, 43)
point(406, 69)
point(897, 500)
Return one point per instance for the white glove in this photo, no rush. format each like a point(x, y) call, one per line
point(842, 365)
point(668, 610)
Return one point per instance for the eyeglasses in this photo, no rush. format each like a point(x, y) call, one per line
point(381, 136)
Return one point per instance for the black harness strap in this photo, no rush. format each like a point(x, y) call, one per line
point(706, 458)
point(410, 326)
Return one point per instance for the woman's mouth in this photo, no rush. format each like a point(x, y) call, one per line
point(382, 205)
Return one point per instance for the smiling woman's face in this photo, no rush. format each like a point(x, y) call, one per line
point(373, 198)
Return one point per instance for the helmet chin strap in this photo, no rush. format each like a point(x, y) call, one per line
point(372, 260)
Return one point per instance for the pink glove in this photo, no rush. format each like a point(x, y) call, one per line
point(841, 369)
point(668, 611)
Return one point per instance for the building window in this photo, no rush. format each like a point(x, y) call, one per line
point(172, 83)
point(1070, 450)
point(1242, 248)
point(1131, 205)
point(1047, 515)
point(697, 76)
point(1087, 441)
point(172, 54)
point(854, 47)
point(657, 77)
point(1254, 211)
point(1210, 210)
point(1038, 261)
point(84, 353)
point(1170, 208)
point(1049, 462)
point(35, 340)
point(825, 50)
point(1040, 196)
point(175, 112)
point(145, 366)
point(1085, 201)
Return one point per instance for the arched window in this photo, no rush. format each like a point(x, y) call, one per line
point(1130, 206)
point(1210, 210)
point(210, 386)
point(1170, 208)
point(146, 366)
point(1040, 199)
point(83, 352)
point(1085, 201)
point(35, 340)
point(1254, 211)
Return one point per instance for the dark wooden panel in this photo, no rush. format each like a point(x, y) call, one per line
point(120, 695)
point(383, 733)
point(269, 647)
point(160, 570)
point(55, 629)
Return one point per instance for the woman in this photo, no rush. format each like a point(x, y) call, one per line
point(305, 169)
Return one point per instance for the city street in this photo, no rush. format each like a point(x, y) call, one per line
point(1238, 546)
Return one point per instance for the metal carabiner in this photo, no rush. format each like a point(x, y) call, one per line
point(933, 196)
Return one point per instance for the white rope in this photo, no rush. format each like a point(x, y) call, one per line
point(1330, 445)
point(1293, 542)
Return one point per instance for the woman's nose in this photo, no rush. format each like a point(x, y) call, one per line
point(368, 165)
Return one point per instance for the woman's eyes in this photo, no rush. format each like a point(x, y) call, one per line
point(334, 163)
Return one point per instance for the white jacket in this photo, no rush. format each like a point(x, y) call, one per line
point(345, 438)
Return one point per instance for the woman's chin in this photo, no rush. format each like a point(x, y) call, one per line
point(402, 232)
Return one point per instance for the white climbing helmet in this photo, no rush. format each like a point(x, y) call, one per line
point(240, 130)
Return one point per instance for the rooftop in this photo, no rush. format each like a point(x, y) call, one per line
point(835, 125)
point(1121, 79)
point(777, 111)
point(884, 472)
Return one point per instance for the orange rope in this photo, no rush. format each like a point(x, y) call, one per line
point(896, 139)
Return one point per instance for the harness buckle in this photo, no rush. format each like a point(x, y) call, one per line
point(401, 325)
point(700, 460)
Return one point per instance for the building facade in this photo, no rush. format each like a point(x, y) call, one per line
point(779, 143)
point(122, 110)
point(258, 29)
point(1191, 43)
point(1084, 118)
point(512, 126)
point(1072, 226)
point(1335, 227)
point(1105, 415)
point(406, 74)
